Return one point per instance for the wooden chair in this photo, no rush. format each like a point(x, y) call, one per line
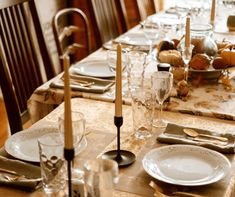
point(131, 12)
point(71, 29)
point(146, 8)
point(135, 11)
point(108, 18)
point(23, 56)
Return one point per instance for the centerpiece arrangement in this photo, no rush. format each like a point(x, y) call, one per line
point(209, 60)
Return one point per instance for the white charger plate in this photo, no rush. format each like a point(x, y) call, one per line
point(186, 165)
point(98, 68)
point(137, 39)
point(24, 145)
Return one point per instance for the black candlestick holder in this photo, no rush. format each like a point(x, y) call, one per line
point(69, 155)
point(122, 157)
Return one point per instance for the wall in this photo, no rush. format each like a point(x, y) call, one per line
point(46, 11)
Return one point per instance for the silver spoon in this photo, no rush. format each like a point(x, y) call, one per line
point(194, 133)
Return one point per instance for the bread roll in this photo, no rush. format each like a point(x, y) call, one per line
point(219, 63)
point(172, 57)
point(200, 62)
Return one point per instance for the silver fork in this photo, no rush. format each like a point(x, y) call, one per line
point(13, 178)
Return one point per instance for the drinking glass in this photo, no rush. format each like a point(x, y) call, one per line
point(112, 61)
point(186, 54)
point(135, 69)
point(52, 162)
point(152, 31)
point(162, 82)
point(78, 127)
point(100, 175)
point(142, 102)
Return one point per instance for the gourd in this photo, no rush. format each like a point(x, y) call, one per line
point(228, 54)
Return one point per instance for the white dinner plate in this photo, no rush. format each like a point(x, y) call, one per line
point(24, 145)
point(186, 165)
point(137, 39)
point(98, 68)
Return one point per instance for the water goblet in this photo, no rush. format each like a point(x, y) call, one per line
point(162, 82)
point(186, 54)
point(152, 31)
point(78, 127)
point(136, 69)
point(100, 176)
point(112, 61)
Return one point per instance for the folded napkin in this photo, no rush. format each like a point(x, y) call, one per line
point(31, 179)
point(97, 85)
point(174, 134)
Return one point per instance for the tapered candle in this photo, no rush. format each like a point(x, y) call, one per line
point(187, 32)
point(212, 13)
point(68, 134)
point(118, 96)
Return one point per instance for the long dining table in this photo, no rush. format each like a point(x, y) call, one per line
point(206, 99)
point(133, 180)
point(210, 107)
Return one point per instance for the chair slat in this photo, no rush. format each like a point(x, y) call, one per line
point(20, 61)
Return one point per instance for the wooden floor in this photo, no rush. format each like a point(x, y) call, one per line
point(3, 123)
point(4, 127)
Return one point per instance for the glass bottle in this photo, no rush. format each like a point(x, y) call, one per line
point(201, 39)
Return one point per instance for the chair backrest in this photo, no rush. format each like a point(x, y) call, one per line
point(131, 12)
point(135, 11)
point(71, 29)
point(22, 53)
point(108, 19)
point(146, 8)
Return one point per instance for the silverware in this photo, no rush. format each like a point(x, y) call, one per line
point(193, 133)
point(9, 171)
point(13, 178)
point(159, 192)
point(80, 82)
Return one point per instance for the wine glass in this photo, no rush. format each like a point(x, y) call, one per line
point(162, 82)
point(151, 31)
point(186, 54)
point(112, 61)
point(78, 129)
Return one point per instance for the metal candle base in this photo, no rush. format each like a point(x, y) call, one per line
point(69, 155)
point(122, 157)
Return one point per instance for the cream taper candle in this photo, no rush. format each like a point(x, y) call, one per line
point(212, 13)
point(68, 133)
point(187, 32)
point(118, 96)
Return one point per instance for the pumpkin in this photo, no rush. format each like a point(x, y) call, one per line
point(229, 55)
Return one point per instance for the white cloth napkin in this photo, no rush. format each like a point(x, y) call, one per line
point(99, 85)
point(32, 174)
point(174, 134)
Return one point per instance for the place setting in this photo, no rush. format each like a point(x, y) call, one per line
point(88, 76)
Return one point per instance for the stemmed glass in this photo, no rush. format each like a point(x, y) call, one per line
point(112, 61)
point(186, 54)
point(78, 126)
point(162, 82)
point(151, 31)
